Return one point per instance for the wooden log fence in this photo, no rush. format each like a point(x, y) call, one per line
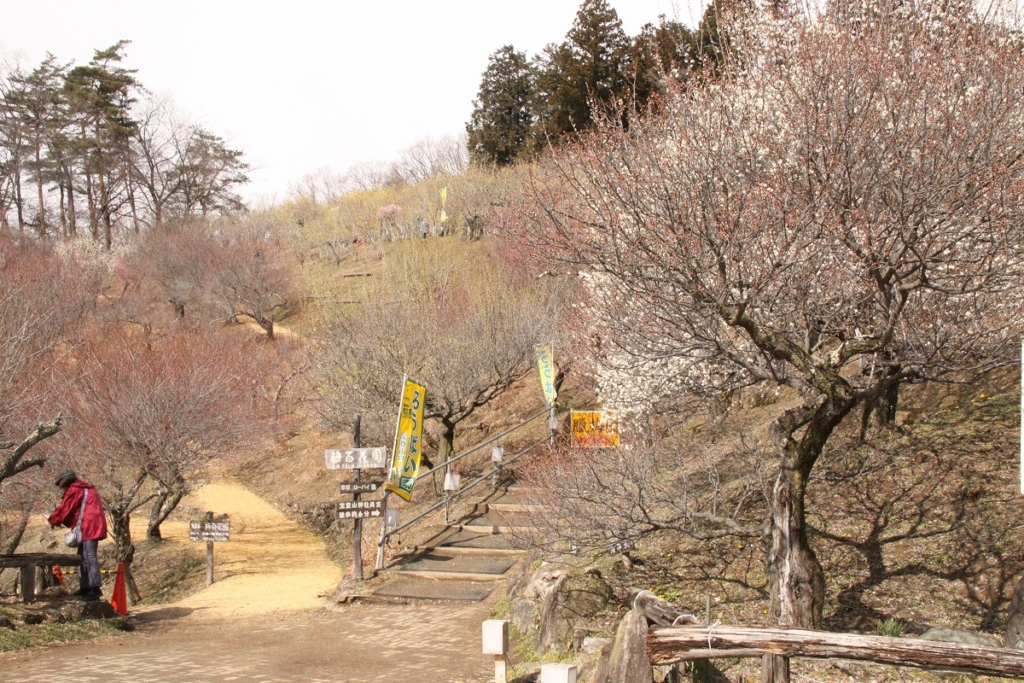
point(28, 562)
point(669, 645)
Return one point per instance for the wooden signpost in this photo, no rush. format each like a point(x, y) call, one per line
point(357, 459)
point(209, 531)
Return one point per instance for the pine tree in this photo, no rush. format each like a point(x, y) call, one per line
point(588, 67)
point(657, 55)
point(499, 129)
point(101, 94)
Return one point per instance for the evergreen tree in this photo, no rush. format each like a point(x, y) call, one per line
point(101, 94)
point(589, 66)
point(499, 129)
point(657, 55)
point(206, 176)
point(36, 99)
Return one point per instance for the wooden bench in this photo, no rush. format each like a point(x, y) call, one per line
point(28, 562)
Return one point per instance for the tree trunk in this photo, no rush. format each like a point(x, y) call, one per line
point(124, 549)
point(445, 448)
point(797, 579)
point(39, 188)
point(19, 201)
point(72, 222)
point(163, 506)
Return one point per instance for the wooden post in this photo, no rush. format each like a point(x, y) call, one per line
point(553, 422)
point(499, 669)
point(209, 555)
point(28, 583)
point(774, 669)
point(357, 529)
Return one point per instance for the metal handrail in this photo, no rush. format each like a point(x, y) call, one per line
point(480, 445)
point(385, 533)
point(463, 489)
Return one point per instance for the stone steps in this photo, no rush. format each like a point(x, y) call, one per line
point(467, 559)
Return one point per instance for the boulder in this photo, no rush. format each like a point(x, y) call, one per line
point(572, 599)
point(542, 582)
point(524, 616)
point(952, 635)
point(626, 660)
point(1015, 619)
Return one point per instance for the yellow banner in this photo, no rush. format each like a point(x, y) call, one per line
point(408, 441)
point(595, 428)
point(546, 367)
point(444, 195)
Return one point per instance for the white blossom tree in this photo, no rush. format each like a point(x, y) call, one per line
point(840, 213)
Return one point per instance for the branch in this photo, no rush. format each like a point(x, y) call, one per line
point(44, 430)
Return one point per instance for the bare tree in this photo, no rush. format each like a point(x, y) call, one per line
point(178, 261)
point(43, 299)
point(250, 276)
point(597, 500)
point(840, 216)
point(448, 155)
point(149, 413)
point(459, 321)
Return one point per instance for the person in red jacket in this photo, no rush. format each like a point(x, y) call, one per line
point(94, 528)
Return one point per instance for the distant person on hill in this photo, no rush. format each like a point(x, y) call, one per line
point(81, 504)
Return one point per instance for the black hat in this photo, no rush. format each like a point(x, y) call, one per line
point(66, 475)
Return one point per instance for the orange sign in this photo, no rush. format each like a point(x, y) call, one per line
point(596, 428)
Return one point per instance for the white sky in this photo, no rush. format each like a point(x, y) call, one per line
point(299, 84)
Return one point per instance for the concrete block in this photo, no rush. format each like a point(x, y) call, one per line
point(558, 673)
point(495, 636)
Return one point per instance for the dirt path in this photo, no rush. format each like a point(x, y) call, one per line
point(263, 621)
point(270, 564)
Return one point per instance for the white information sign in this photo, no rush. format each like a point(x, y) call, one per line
point(356, 458)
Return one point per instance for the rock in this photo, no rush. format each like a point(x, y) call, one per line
point(1015, 620)
point(952, 635)
point(529, 672)
point(626, 661)
point(524, 616)
point(542, 582)
point(572, 599)
point(592, 644)
point(96, 609)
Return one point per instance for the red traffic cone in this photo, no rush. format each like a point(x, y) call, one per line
point(119, 600)
point(59, 575)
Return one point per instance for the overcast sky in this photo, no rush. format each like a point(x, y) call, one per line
point(298, 84)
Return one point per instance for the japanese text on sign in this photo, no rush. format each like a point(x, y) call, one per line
point(356, 458)
point(595, 428)
point(209, 531)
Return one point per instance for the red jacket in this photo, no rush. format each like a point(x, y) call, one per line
point(94, 522)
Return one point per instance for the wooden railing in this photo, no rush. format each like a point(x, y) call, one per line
point(671, 644)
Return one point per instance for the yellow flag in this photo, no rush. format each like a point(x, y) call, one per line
point(444, 195)
point(408, 441)
point(546, 368)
